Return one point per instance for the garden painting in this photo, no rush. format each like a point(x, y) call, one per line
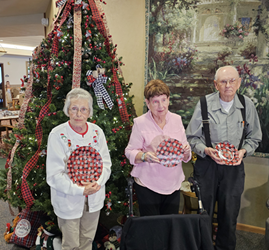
point(188, 40)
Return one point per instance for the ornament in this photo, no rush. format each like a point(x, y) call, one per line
point(88, 33)
point(108, 205)
point(97, 79)
point(84, 6)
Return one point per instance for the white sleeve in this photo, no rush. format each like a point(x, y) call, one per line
point(105, 158)
point(57, 178)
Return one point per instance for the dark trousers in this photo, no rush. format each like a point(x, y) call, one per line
point(152, 203)
point(224, 184)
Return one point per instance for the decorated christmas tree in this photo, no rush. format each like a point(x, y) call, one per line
point(77, 53)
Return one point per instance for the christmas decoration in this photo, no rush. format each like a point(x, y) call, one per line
point(170, 152)
point(10, 229)
point(25, 232)
point(48, 236)
point(84, 164)
point(227, 152)
point(79, 43)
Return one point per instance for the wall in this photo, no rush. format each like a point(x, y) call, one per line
point(50, 13)
point(14, 67)
point(126, 23)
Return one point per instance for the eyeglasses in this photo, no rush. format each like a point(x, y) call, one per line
point(74, 110)
point(231, 81)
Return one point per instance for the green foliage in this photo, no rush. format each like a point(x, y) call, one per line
point(234, 31)
point(117, 133)
point(261, 24)
point(171, 63)
point(257, 89)
point(167, 16)
point(222, 57)
point(248, 50)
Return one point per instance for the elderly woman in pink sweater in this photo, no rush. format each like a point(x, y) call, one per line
point(157, 187)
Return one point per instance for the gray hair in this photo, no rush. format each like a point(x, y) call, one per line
point(229, 66)
point(78, 93)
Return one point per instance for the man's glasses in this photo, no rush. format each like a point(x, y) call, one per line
point(231, 81)
point(74, 110)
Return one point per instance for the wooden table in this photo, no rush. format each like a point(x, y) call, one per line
point(6, 127)
point(9, 118)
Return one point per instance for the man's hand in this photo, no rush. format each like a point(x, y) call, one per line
point(90, 187)
point(241, 154)
point(212, 153)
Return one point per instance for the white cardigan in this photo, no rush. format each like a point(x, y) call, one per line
point(67, 198)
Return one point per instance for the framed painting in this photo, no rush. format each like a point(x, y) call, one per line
point(188, 40)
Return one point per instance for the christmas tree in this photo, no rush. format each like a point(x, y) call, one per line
point(77, 53)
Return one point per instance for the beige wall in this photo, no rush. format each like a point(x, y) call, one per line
point(50, 13)
point(126, 23)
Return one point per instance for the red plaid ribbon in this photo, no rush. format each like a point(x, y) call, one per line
point(65, 14)
point(77, 47)
point(26, 192)
point(121, 103)
point(99, 23)
point(55, 45)
point(102, 29)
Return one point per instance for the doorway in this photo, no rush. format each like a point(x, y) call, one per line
point(2, 87)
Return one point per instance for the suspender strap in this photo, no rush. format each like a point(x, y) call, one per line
point(243, 111)
point(205, 121)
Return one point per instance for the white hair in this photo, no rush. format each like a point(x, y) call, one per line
point(78, 93)
point(229, 66)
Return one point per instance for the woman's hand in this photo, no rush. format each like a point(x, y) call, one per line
point(90, 187)
point(187, 151)
point(151, 157)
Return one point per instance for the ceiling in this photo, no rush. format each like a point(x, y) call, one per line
point(20, 23)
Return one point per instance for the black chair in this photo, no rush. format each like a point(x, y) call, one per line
point(167, 232)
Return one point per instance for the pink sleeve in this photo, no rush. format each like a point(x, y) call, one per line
point(135, 144)
point(184, 138)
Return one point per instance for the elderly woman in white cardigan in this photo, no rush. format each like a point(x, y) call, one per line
point(76, 206)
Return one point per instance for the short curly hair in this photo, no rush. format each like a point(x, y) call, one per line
point(77, 93)
point(156, 88)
